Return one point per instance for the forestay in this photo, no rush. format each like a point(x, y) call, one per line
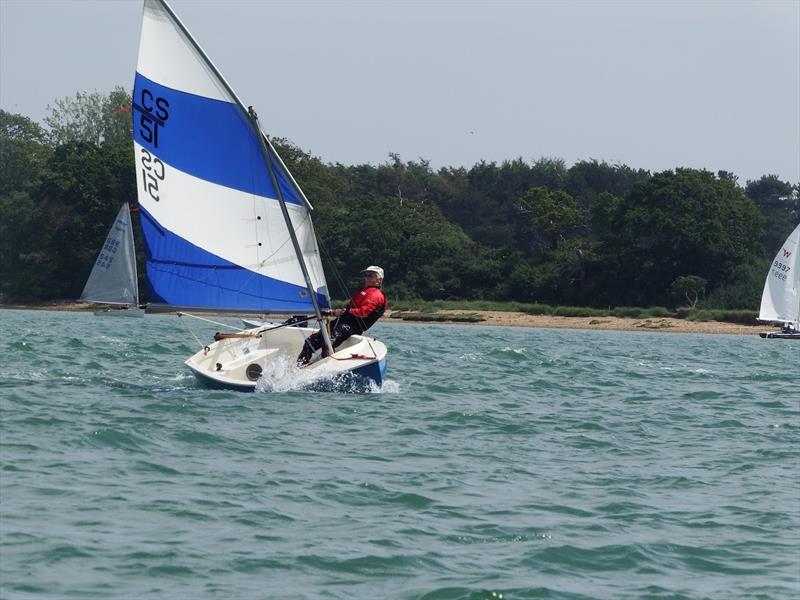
point(215, 234)
point(113, 278)
point(781, 298)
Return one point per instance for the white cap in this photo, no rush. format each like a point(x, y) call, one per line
point(374, 269)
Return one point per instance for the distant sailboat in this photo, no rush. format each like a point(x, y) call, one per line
point(113, 280)
point(780, 301)
point(225, 224)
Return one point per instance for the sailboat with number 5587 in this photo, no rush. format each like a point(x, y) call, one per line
point(226, 226)
point(780, 300)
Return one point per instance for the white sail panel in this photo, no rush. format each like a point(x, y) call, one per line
point(225, 222)
point(780, 300)
point(168, 57)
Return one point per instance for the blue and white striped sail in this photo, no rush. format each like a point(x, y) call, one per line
point(215, 235)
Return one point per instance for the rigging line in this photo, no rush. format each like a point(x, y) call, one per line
point(183, 314)
point(338, 277)
point(186, 325)
point(287, 240)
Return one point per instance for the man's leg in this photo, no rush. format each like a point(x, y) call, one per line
point(342, 330)
point(311, 345)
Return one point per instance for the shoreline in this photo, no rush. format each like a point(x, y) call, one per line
point(652, 324)
point(513, 319)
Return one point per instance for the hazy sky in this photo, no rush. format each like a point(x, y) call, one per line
point(654, 85)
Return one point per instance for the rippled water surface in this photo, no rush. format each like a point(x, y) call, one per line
point(496, 462)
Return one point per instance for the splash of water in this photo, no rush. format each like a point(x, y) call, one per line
point(282, 374)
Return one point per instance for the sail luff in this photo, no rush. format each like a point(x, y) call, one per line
point(245, 112)
point(207, 60)
point(288, 172)
point(133, 262)
point(796, 288)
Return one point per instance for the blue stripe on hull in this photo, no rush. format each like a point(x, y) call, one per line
point(185, 275)
point(357, 380)
point(375, 372)
point(212, 383)
point(209, 139)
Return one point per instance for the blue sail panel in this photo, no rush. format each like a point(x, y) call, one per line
point(206, 138)
point(182, 274)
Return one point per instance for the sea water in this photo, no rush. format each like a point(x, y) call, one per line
point(494, 463)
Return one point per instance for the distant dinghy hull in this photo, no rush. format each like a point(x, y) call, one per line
point(770, 335)
point(120, 312)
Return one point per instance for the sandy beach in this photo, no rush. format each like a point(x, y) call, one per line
point(518, 319)
point(662, 324)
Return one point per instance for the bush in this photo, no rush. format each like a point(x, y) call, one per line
point(742, 317)
point(628, 312)
point(438, 318)
point(637, 312)
point(578, 311)
point(536, 309)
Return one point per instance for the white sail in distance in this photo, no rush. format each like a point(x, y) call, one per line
point(780, 300)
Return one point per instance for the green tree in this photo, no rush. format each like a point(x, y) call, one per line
point(689, 287)
point(686, 221)
point(24, 153)
point(422, 253)
point(77, 201)
point(91, 117)
point(23, 257)
point(779, 202)
point(587, 179)
point(555, 216)
point(550, 173)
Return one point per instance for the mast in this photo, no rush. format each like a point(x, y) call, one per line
point(133, 246)
point(266, 148)
point(265, 151)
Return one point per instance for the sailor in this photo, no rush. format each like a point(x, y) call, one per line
point(365, 307)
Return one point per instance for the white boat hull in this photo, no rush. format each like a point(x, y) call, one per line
point(267, 360)
point(779, 335)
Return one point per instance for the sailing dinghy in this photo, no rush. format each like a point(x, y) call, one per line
point(226, 227)
point(113, 281)
point(780, 301)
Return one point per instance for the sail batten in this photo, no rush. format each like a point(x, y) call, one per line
point(216, 236)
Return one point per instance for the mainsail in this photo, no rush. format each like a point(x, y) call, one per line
point(113, 277)
point(210, 187)
point(781, 298)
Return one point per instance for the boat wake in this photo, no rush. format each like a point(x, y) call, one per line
point(283, 375)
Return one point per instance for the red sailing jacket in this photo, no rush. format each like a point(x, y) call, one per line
point(366, 301)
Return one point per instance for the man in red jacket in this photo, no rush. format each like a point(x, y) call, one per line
point(365, 307)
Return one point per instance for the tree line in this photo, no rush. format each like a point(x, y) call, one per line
point(591, 234)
